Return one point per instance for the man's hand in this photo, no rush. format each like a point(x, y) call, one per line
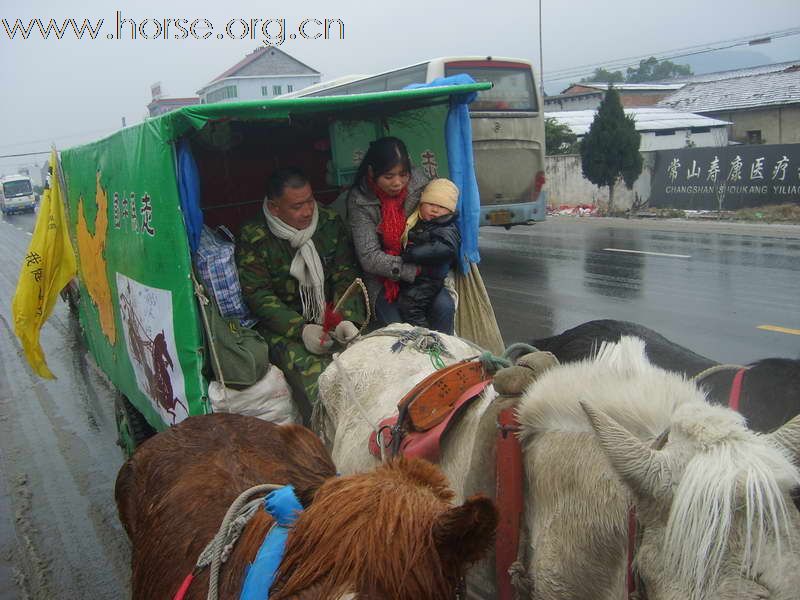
point(345, 332)
point(312, 335)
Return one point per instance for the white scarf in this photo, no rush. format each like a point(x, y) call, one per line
point(306, 266)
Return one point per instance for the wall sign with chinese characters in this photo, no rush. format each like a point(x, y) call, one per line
point(726, 178)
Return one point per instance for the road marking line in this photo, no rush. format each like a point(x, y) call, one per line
point(650, 253)
point(779, 329)
point(29, 233)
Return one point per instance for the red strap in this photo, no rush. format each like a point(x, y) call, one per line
point(736, 389)
point(632, 525)
point(509, 500)
point(181, 593)
point(427, 445)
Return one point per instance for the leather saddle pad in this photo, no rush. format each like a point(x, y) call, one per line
point(429, 409)
point(431, 400)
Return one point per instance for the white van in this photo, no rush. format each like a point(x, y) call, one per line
point(16, 194)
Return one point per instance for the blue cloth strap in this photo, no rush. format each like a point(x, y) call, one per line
point(283, 506)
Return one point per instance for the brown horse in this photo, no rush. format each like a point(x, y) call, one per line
point(391, 534)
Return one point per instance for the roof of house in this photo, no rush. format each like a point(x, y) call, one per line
point(630, 87)
point(647, 119)
point(748, 72)
point(262, 61)
point(738, 92)
point(591, 89)
point(679, 82)
point(173, 102)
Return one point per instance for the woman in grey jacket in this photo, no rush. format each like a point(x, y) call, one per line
point(385, 191)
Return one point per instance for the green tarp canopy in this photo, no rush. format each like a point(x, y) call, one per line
point(138, 310)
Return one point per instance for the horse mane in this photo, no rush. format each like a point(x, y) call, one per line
point(173, 493)
point(619, 380)
point(734, 467)
point(360, 531)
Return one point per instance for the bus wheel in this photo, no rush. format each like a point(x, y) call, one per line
point(507, 227)
point(132, 428)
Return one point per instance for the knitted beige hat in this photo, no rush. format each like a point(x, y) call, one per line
point(441, 192)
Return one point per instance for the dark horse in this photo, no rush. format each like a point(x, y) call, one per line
point(390, 533)
point(770, 393)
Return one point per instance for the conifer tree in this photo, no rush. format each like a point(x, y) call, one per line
point(611, 148)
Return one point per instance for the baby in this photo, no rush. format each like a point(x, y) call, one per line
point(433, 242)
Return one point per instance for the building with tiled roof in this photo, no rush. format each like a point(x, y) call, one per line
point(660, 128)
point(160, 106)
point(731, 73)
point(762, 107)
point(588, 95)
point(264, 73)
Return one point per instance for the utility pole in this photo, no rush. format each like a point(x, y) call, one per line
point(541, 58)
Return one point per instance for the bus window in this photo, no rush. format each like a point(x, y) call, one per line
point(376, 84)
point(20, 187)
point(400, 79)
point(513, 87)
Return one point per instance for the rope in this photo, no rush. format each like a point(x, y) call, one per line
point(715, 369)
point(204, 302)
point(220, 547)
point(350, 393)
point(357, 282)
point(426, 341)
point(519, 346)
point(420, 339)
point(493, 363)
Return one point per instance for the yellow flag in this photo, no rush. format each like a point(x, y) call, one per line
point(48, 266)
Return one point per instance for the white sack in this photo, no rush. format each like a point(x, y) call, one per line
point(269, 399)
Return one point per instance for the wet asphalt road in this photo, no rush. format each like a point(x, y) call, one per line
point(59, 533)
point(717, 283)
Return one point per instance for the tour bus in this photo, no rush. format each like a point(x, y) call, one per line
point(507, 128)
point(16, 194)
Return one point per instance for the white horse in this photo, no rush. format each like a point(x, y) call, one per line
point(576, 506)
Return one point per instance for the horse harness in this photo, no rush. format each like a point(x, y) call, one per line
point(425, 414)
point(634, 586)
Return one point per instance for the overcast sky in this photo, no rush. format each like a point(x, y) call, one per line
point(70, 91)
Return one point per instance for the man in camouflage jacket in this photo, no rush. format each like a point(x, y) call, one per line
point(275, 296)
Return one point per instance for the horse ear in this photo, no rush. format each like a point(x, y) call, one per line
point(788, 437)
point(645, 470)
point(464, 533)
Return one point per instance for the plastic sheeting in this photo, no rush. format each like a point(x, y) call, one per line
point(189, 188)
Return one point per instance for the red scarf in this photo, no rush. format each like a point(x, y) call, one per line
point(391, 228)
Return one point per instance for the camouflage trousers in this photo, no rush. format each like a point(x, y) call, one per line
point(301, 369)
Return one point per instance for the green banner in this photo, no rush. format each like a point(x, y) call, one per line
point(137, 305)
